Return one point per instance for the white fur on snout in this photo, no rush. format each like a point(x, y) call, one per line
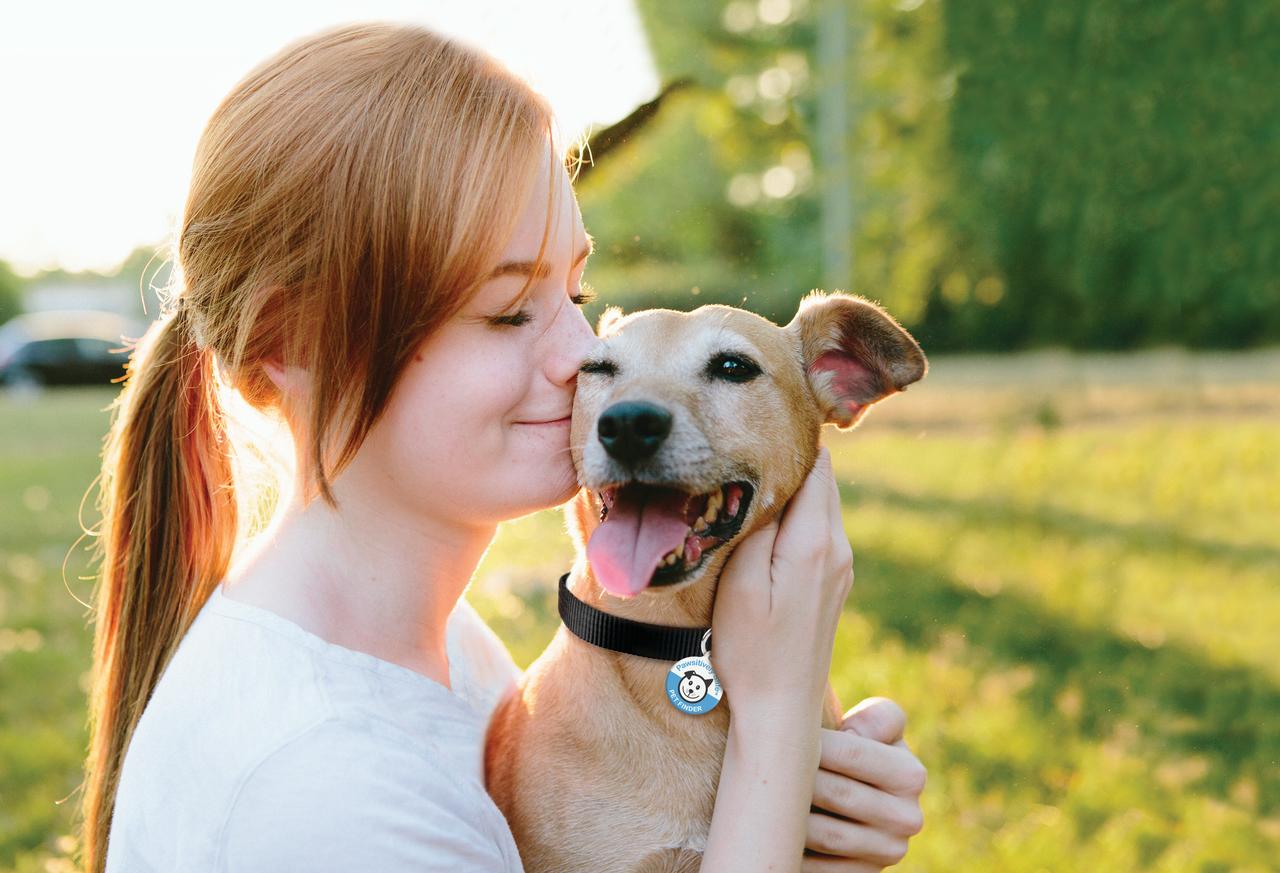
point(673, 379)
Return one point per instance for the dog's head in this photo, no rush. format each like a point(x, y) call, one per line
point(691, 429)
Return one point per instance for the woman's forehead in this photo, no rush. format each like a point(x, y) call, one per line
point(565, 232)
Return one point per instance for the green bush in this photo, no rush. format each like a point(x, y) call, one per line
point(1109, 163)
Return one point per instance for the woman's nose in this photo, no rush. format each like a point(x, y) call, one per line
point(572, 346)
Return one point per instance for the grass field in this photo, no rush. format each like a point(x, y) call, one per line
point(1068, 573)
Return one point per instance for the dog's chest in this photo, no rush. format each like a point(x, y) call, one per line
point(646, 773)
point(655, 805)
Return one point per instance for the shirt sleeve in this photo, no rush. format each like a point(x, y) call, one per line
point(481, 668)
point(336, 798)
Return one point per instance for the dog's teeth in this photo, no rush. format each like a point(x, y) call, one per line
point(669, 559)
point(734, 499)
point(713, 503)
point(700, 525)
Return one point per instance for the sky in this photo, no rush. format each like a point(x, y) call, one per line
point(101, 104)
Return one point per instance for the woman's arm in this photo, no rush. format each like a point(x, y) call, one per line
point(766, 785)
point(777, 607)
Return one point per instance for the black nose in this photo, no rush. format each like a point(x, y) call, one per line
point(633, 430)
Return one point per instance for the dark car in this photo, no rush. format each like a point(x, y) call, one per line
point(63, 348)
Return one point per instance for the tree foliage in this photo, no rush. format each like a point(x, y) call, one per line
point(10, 293)
point(1094, 174)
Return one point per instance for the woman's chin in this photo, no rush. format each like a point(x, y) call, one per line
point(548, 494)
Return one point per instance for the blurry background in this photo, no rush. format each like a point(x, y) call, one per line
point(1066, 538)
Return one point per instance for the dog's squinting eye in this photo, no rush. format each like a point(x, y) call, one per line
point(733, 368)
point(605, 368)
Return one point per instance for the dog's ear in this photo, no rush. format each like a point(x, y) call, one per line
point(611, 316)
point(854, 354)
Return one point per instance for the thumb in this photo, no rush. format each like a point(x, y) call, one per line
point(876, 718)
point(749, 564)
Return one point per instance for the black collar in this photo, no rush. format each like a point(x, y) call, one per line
point(625, 635)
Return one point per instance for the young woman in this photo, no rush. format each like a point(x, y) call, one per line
point(382, 250)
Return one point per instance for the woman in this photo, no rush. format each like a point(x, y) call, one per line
point(381, 247)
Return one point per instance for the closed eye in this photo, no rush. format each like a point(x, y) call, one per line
point(604, 368)
point(514, 320)
point(586, 294)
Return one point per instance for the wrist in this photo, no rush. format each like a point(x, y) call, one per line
point(784, 731)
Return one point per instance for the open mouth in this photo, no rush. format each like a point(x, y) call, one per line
point(653, 535)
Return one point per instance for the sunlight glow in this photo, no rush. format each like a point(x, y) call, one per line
point(103, 102)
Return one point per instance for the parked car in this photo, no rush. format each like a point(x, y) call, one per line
point(70, 347)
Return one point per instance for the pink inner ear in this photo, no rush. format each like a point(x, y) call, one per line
point(853, 387)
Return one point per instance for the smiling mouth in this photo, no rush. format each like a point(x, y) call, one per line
point(652, 535)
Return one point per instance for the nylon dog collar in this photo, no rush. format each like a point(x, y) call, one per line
point(627, 636)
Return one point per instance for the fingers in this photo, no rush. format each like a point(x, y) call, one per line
point(842, 552)
point(831, 864)
point(849, 798)
point(833, 495)
point(877, 718)
point(891, 768)
point(808, 511)
point(847, 839)
point(748, 567)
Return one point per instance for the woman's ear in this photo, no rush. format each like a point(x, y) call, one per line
point(854, 354)
point(290, 381)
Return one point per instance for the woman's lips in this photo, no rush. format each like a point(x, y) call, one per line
point(558, 422)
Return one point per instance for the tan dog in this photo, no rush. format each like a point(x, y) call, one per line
point(689, 431)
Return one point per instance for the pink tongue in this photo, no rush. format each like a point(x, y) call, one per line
point(643, 525)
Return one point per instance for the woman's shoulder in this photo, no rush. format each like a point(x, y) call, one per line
point(480, 667)
point(338, 796)
point(244, 681)
point(259, 731)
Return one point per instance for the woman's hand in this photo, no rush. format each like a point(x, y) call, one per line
point(867, 791)
point(777, 606)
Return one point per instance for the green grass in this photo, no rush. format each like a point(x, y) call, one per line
point(1068, 573)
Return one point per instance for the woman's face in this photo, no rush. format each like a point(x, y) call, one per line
point(477, 429)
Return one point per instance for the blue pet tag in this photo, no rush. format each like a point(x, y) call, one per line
point(692, 686)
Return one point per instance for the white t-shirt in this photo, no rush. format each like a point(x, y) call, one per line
point(267, 749)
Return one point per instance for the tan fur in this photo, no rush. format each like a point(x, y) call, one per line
point(593, 767)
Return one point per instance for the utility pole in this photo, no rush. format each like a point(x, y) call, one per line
point(833, 145)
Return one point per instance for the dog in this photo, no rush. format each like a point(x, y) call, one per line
point(689, 431)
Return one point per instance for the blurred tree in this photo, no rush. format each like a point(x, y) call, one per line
point(10, 293)
point(1117, 173)
point(708, 204)
point(1090, 174)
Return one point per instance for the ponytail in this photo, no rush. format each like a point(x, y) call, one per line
point(168, 530)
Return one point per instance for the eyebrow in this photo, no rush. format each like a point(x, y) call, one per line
point(526, 268)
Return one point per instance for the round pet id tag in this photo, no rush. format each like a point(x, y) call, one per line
point(692, 686)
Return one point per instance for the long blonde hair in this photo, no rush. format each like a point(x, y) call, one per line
point(348, 196)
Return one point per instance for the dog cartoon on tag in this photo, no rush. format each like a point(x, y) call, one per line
point(693, 687)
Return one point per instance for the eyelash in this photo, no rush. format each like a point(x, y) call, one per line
point(585, 296)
